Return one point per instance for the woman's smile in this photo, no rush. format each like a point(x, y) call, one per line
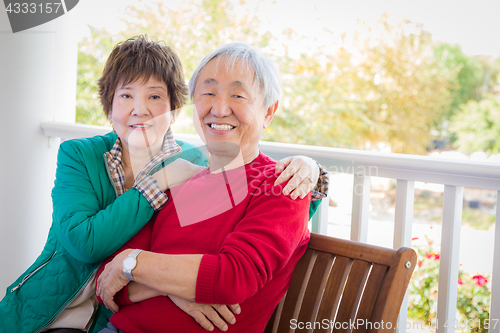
point(141, 127)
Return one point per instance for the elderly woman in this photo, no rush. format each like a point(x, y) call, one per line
point(106, 190)
point(226, 236)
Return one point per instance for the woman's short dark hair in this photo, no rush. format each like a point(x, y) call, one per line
point(141, 58)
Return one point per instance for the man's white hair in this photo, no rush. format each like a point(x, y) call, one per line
point(264, 70)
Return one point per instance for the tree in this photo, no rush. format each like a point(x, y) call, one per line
point(475, 77)
point(92, 54)
point(477, 125)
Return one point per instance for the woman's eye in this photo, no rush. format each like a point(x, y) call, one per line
point(155, 97)
point(126, 96)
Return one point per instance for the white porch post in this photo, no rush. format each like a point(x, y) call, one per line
point(360, 208)
point(403, 221)
point(495, 278)
point(448, 266)
point(37, 84)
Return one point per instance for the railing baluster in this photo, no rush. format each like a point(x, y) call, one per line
point(448, 266)
point(360, 208)
point(319, 223)
point(403, 219)
point(495, 277)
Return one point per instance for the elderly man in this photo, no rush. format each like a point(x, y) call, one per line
point(227, 236)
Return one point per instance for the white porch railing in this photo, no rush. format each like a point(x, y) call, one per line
point(407, 169)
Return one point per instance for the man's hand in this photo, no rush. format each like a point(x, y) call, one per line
point(208, 315)
point(112, 280)
point(304, 174)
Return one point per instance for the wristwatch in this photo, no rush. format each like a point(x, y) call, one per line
point(129, 264)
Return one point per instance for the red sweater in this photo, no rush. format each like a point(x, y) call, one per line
point(251, 237)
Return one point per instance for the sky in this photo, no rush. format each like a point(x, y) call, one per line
point(474, 25)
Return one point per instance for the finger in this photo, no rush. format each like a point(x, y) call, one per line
point(290, 170)
point(302, 190)
point(98, 285)
point(214, 317)
point(235, 308)
point(202, 320)
point(309, 187)
point(282, 164)
point(225, 313)
point(110, 304)
point(296, 180)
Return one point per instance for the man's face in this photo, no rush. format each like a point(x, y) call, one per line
point(230, 108)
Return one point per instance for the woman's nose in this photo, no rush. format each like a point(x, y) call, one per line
point(140, 108)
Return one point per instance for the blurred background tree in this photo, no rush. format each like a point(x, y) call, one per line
point(477, 125)
point(391, 88)
point(92, 54)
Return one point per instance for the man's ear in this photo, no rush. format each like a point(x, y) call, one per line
point(270, 114)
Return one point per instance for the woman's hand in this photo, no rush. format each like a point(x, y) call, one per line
point(304, 174)
point(176, 173)
point(208, 315)
point(112, 280)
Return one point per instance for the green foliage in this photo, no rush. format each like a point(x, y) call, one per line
point(475, 76)
point(473, 293)
point(422, 293)
point(473, 301)
point(92, 55)
point(477, 125)
point(468, 80)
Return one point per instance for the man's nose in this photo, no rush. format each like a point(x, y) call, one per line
point(221, 108)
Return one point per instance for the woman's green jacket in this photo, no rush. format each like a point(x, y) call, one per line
point(88, 224)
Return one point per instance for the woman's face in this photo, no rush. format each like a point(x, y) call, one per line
point(230, 108)
point(141, 113)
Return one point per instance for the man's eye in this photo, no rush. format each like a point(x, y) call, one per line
point(238, 96)
point(209, 94)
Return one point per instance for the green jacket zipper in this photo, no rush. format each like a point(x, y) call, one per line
point(27, 277)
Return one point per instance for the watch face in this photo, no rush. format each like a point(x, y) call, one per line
point(129, 263)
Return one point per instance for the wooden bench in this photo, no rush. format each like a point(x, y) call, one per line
point(344, 286)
